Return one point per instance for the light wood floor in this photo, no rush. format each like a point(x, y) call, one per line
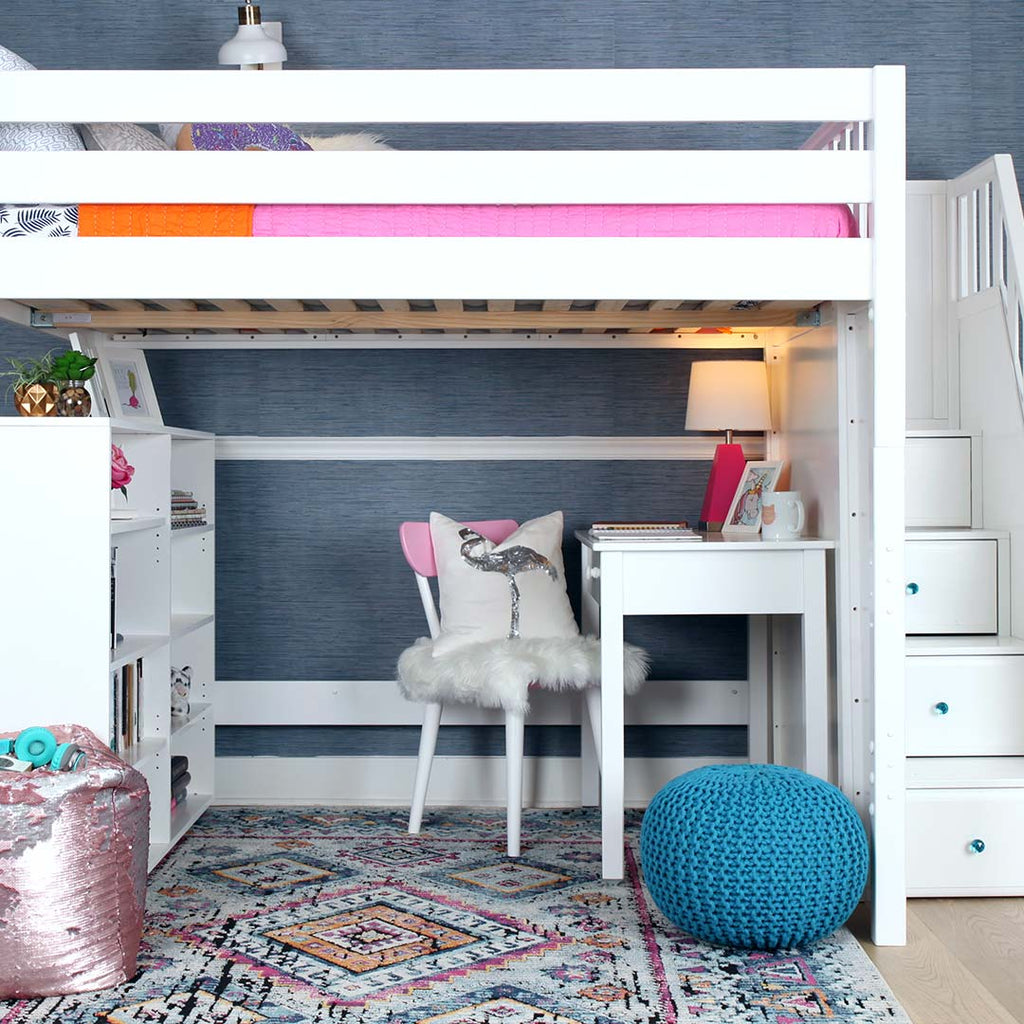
point(963, 962)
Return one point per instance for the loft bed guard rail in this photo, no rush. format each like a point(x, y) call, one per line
point(840, 164)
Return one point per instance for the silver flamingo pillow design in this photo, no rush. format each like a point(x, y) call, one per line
point(500, 591)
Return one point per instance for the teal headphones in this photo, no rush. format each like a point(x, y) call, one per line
point(40, 748)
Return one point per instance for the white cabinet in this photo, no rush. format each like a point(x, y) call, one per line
point(941, 472)
point(56, 545)
point(952, 586)
point(965, 842)
point(965, 705)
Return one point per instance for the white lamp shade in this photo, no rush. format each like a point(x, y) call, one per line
point(251, 45)
point(728, 394)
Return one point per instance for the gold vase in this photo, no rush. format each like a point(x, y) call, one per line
point(75, 399)
point(37, 399)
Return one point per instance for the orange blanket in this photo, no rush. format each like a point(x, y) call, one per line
point(203, 220)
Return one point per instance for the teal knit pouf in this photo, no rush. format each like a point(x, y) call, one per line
point(753, 855)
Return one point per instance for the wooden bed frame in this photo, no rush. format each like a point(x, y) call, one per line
point(126, 286)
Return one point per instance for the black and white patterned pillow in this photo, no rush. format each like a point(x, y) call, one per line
point(120, 136)
point(39, 220)
point(39, 136)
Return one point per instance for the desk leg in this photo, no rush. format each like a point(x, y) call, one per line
point(814, 628)
point(589, 775)
point(759, 718)
point(612, 717)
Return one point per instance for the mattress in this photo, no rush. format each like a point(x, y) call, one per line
point(558, 221)
point(190, 220)
point(379, 221)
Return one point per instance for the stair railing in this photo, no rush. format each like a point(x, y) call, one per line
point(987, 244)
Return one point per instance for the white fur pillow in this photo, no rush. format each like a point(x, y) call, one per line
point(345, 141)
point(474, 579)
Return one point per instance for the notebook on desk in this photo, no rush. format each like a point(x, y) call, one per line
point(640, 530)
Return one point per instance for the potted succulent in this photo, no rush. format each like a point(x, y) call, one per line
point(34, 386)
point(72, 369)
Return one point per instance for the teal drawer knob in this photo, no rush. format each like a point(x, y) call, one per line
point(976, 846)
point(942, 708)
point(912, 589)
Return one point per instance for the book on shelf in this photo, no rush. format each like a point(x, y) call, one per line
point(179, 766)
point(113, 596)
point(638, 529)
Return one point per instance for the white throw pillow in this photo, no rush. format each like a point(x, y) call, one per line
point(473, 577)
point(121, 135)
point(16, 136)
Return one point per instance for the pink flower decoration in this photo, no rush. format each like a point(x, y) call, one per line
point(133, 402)
point(120, 472)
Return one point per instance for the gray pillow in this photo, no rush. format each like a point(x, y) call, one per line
point(120, 135)
point(33, 136)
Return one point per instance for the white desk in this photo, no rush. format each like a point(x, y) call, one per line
point(720, 575)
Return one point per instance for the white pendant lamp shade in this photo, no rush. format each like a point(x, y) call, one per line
point(728, 394)
point(250, 44)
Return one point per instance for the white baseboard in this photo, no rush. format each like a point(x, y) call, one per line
point(379, 702)
point(463, 781)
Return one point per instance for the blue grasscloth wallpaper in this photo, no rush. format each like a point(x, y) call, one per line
point(308, 567)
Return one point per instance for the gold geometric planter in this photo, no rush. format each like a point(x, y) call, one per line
point(37, 399)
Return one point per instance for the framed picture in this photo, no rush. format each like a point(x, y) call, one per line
point(745, 511)
point(126, 384)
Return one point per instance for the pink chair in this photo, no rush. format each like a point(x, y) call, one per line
point(419, 553)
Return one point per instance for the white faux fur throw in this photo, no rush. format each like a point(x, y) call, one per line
point(498, 673)
point(346, 141)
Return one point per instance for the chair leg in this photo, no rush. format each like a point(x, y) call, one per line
point(592, 694)
point(428, 740)
point(590, 758)
point(514, 726)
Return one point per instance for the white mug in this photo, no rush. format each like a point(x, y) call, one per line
point(782, 515)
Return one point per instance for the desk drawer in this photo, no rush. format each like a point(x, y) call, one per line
point(942, 824)
point(951, 586)
point(965, 706)
point(715, 581)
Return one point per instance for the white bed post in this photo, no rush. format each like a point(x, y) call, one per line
point(889, 919)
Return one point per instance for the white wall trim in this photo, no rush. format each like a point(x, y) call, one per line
point(477, 449)
point(379, 702)
point(547, 781)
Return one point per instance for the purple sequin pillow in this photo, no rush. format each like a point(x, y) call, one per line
point(245, 136)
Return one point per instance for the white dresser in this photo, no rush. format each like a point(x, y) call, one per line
point(964, 683)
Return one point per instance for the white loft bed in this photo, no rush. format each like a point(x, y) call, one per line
point(845, 441)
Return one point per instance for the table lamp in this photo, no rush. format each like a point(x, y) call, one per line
point(726, 395)
point(251, 46)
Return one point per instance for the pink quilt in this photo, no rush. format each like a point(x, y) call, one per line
point(558, 221)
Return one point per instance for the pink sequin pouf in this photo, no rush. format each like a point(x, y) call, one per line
point(73, 854)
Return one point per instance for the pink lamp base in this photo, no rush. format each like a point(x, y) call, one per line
point(726, 470)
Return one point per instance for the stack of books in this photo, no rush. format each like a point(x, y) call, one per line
point(186, 511)
point(644, 530)
point(126, 707)
point(180, 778)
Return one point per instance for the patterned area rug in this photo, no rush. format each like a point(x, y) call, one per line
point(301, 915)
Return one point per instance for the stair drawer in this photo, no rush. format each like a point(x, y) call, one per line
point(951, 586)
point(938, 481)
point(942, 825)
point(965, 706)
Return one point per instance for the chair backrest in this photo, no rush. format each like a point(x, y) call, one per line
point(418, 548)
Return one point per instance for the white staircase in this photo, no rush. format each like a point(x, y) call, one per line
point(965, 547)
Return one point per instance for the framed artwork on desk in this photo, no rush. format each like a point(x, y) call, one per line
point(128, 388)
point(745, 511)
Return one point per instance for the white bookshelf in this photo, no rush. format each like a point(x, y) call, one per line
point(55, 539)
